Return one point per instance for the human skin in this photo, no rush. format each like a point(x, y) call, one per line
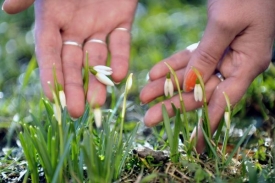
point(57, 21)
point(237, 41)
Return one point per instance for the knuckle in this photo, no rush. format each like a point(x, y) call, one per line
point(222, 23)
point(207, 58)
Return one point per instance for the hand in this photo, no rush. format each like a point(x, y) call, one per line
point(237, 41)
point(57, 21)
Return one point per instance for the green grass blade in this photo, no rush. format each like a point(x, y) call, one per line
point(61, 160)
point(238, 145)
point(175, 146)
point(209, 143)
point(167, 125)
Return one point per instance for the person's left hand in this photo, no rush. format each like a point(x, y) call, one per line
point(65, 30)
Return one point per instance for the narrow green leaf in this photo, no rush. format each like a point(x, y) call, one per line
point(229, 159)
point(209, 143)
point(167, 125)
point(31, 66)
point(61, 160)
point(175, 146)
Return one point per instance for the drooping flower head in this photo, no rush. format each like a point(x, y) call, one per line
point(101, 72)
point(168, 86)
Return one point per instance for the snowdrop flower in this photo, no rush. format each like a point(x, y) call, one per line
point(192, 47)
point(97, 117)
point(129, 82)
point(101, 72)
point(227, 119)
point(168, 86)
point(57, 113)
point(62, 99)
point(198, 92)
point(103, 69)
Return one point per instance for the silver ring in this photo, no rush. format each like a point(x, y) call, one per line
point(73, 43)
point(220, 76)
point(121, 29)
point(96, 41)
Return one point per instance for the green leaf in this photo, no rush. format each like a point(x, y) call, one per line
point(31, 66)
point(167, 125)
point(229, 159)
point(175, 146)
point(86, 73)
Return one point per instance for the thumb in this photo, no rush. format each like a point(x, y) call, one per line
point(215, 41)
point(16, 6)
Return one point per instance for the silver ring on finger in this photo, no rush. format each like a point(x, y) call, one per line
point(96, 41)
point(72, 43)
point(220, 76)
point(122, 29)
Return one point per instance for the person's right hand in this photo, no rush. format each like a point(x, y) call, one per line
point(237, 42)
point(79, 21)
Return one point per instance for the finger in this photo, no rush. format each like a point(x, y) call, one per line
point(119, 45)
point(218, 35)
point(16, 6)
point(154, 115)
point(176, 61)
point(97, 50)
point(48, 50)
point(72, 63)
point(155, 88)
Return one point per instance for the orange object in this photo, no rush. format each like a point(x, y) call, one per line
point(190, 81)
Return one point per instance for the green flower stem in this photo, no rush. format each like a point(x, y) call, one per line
point(186, 125)
point(127, 88)
point(228, 109)
point(226, 136)
point(61, 150)
point(91, 69)
point(86, 74)
point(206, 124)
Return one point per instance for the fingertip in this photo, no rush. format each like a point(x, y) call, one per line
point(96, 95)
point(75, 99)
point(76, 109)
point(120, 69)
point(150, 119)
point(13, 7)
point(190, 80)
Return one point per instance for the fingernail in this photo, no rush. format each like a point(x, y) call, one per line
point(3, 7)
point(190, 80)
point(116, 83)
point(74, 119)
point(142, 104)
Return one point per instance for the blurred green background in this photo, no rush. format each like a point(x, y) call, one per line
point(161, 28)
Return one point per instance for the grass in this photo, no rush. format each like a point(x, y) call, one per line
point(68, 150)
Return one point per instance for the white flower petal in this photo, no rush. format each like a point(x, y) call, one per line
point(105, 72)
point(198, 93)
point(192, 47)
point(97, 117)
point(129, 82)
point(104, 79)
point(170, 88)
point(102, 67)
point(62, 99)
point(57, 112)
point(166, 87)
